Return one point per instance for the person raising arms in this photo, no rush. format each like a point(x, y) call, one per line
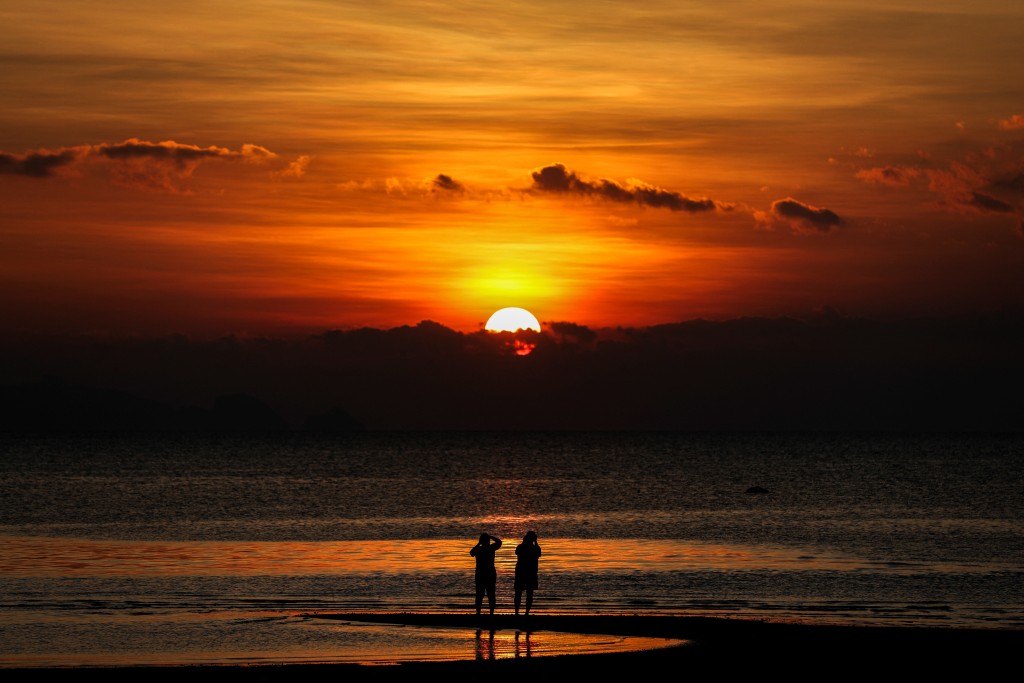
point(486, 574)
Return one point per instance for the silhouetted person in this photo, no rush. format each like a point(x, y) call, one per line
point(527, 559)
point(486, 574)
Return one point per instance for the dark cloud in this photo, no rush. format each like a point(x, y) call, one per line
point(134, 162)
point(556, 178)
point(987, 203)
point(177, 152)
point(36, 164)
point(41, 163)
point(446, 182)
point(163, 165)
point(652, 196)
point(804, 216)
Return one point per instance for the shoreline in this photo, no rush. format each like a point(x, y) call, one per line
point(713, 645)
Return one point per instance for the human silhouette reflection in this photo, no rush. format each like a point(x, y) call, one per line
point(486, 574)
point(523, 647)
point(484, 648)
point(527, 561)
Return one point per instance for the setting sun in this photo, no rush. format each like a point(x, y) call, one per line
point(512, 320)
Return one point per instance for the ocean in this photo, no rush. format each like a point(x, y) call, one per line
point(184, 549)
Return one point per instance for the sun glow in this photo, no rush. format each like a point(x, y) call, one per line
point(512, 320)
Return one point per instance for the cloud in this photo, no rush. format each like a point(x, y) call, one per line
point(894, 176)
point(446, 182)
point(1013, 123)
point(799, 216)
point(985, 202)
point(556, 178)
point(987, 180)
point(966, 189)
point(181, 154)
point(297, 168)
point(132, 162)
point(162, 165)
point(418, 188)
point(395, 186)
point(39, 164)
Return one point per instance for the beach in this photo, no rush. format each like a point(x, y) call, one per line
point(868, 554)
point(710, 646)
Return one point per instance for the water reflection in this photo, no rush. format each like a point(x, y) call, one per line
point(523, 645)
point(76, 557)
point(485, 646)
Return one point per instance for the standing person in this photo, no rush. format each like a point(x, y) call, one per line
point(527, 559)
point(486, 574)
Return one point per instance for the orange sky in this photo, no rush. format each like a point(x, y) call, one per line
point(308, 165)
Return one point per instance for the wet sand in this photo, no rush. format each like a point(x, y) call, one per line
point(713, 646)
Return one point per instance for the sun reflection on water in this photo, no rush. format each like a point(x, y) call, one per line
point(69, 557)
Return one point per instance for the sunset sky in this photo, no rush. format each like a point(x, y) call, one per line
point(281, 166)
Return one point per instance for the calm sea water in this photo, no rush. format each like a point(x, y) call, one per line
point(165, 550)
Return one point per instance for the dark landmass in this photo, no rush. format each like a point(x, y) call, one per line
point(827, 374)
point(52, 406)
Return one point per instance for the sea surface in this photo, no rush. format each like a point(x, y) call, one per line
point(175, 549)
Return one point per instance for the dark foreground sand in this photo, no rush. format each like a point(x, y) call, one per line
point(719, 647)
